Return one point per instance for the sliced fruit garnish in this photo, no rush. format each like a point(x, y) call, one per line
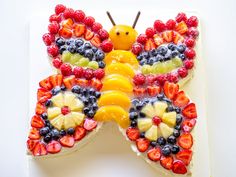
point(167, 162)
point(178, 38)
point(77, 105)
point(166, 131)
point(190, 111)
point(185, 156)
point(90, 124)
point(53, 147)
point(56, 80)
point(31, 144)
point(96, 41)
point(45, 84)
point(96, 83)
point(40, 109)
point(69, 81)
point(67, 141)
point(65, 33)
point(53, 112)
point(169, 118)
point(37, 122)
point(58, 100)
point(88, 34)
point(68, 23)
point(120, 68)
point(132, 133)
point(43, 95)
point(58, 122)
point(181, 27)
point(148, 110)
point(167, 36)
point(80, 133)
point(160, 108)
point(154, 154)
point(188, 125)
point(170, 89)
point(181, 99)
point(69, 99)
point(185, 140)
point(142, 144)
point(144, 124)
point(34, 134)
point(79, 29)
point(149, 45)
point(152, 133)
point(153, 90)
point(179, 167)
point(39, 149)
point(158, 40)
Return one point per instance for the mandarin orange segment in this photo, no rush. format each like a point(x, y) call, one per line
point(120, 68)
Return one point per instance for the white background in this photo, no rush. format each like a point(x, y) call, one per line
point(218, 38)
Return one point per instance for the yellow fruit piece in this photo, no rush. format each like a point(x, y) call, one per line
point(148, 110)
point(58, 100)
point(122, 57)
point(116, 113)
point(114, 98)
point(166, 131)
point(77, 106)
point(58, 122)
point(69, 121)
point(169, 118)
point(120, 68)
point(117, 82)
point(153, 133)
point(53, 112)
point(69, 99)
point(144, 124)
point(160, 108)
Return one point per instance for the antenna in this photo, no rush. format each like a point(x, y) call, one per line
point(111, 19)
point(136, 19)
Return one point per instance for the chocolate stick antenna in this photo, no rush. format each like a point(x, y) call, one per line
point(111, 19)
point(136, 19)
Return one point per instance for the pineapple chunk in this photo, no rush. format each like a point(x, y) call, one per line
point(58, 100)
point(166, 131)
point(144, 124)
point(148, 110)
point(151, 133)
point(160, 108)
point(77, 106)
point(69, 99)
point(58, 122)
point(53, 112)
point(169, 118)
point(77, 117)
point(69, 121)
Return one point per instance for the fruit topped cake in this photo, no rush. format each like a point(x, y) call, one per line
point(118, 76)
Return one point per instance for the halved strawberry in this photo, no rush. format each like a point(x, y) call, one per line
point(65, 33)
point(179, 167)
point(171, 89)
point(167, 36)
point(43, 95)
point(67, 141)
point(79, 30)
point(139, 91)
point(149, 45)
point(45, 84)
point(177, 38)
point(181, 27)
point(90, 124)
point(185, 156)
point(31, 144)
point(132, 133)
point(69, 81)
point(181, 99)
point(39, 149)
point(167, 162)
point(185, 140)
point(154, 154)
point(56, 80)
point(142, 144)
point(96, 41)
point(68, 23)
point(190, 111)
point(188, 125)
point(153, 90)
point(88, 34)
point(158, 39)
point(40, 109)
point(96, 83)
point(80, 133)
point(81, 82)
point(53, 147)
point(37, 122)
point(34, 134)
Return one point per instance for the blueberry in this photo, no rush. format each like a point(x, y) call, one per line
point(133, 115)
point(162, 50)
point(142, 135)
point(153, 52)
point(150, 61)
point(76, 89)
point(47, 138)
point(132, 110)
point(160, 96)
point(146, 100)
point(94, 49)
point(142, 115)
point(56, 90)
point(175, 149)
point(177, 110)
point(85, 101)
point(139, 106)
point(94, 106)
point(79, 42)
point(72, 48)
point(161, 141)
point(44, 116)
point(70, 42)
point(170, 108)
point(62, 132)
point(91, 91)
point(174, 53)
point(139, 57)
point(177, 127)
point(97, 94)
point(159, 58)
point(182, 56)
point(101, 64)
point(167, 56)
point(87, 45)
point(89, 54)
point(90, 113)
point(92, 99)
point(84, 92)
point(181, 48)
point(145, 55)
point(70, 131)
point(48, 103)
point(133, 123)
point(63, 88)
point(99, 55)
point(135, 101)
point(55, 134)
point(143, 62)
point(86, 110)
point(176, 133)
point(153, 143)
point(171, 139)
point(166, 150)
point(166, 100)
point(171, 46)
point(80, 50)
point(44, 131)
point(62, 49)
point(179, 119)
point(60, 42)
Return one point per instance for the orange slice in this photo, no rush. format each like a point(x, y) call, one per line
point(120, 68)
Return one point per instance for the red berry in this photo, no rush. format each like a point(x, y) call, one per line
point(159, 26)
point(88, 74)
point(53, 50)
point(69, 13)
point(156, 120)
point(57, 62)
point(190, 42)
point(53, 27)
point(48, 39)
point(188, 64)
point(59, 8)
point(179, 167)
point(142, 38)
point(190, 53)
point(181, 17)
point(172, 77)
point(99, 73)
point(53, 147)
point(67, 141)
point(89, 21)
point(161, 79)
point(183, 72)
point(56, 18)
point(107, 46)
point(150, 32)
point(78, 72)
point(79, 15)
point(132, 133)
point(65, 110)
point(66, 69)
point(136, 48)
point(150, 79)
point(96, 27)
point(139, 79)
point(103, 34)
point(192, 21)
point(170, 24)
point(90, 124)
point(193, 32)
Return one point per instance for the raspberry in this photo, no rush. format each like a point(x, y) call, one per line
point(192, 21)
point(193, 32)
point(48, 39)
point(53, 50)
point(78, 72)
point(57, 62)
point(89, 21)
point(66, 69)
point(156, 120)
point(79, 15)
point(142, 38)
point(172, 77)
point(161, 79)
point(88, 74)
point(99, 73)
point(103, 34)
point(181, 17)
point(136, 48)
point(190, 53)
point(159, 26)
point(170, 24)
point(150, 79)
point(56, 18)
point(183, 72)
point(53, 27)
point(107, 46)
point(150, 32)
point(69, 13)
point(139, 79)
point(96, 27)
point(190, 42)
point(188, 64)
point(59, 8)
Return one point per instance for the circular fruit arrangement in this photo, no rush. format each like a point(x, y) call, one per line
point(160, 124)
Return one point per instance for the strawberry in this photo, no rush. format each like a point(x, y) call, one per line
point(48, 39)
point(31, 144)
point(68, 13)
point(159, 26)
point(167, 162)
point(150, 32)
point(170, 24)
point(99, 73)
point(88, 74)
point(103, 34)
point(68, 23)
point(142, 38)
point(89, 21)
point(69, 82)
point(179, 167)
point(177, 38)
point(192, 21)
point(80, 133)
point(136, 48)
point(39, 149)
point(66, 69)
point(190, 42)
point(193, 32)
point(190, 111)
point(81, 82)
point(43, 95)
point(138, 91)
point(181, 99)
point(183, 72)
point(158, 39)
point(154, 154)
point(59, 8)
point(79, 16)
point(181, 27)
point(52, 50)
point(149, 45)
point(185, 141)
point(167, 36)
point(79, 30)
point(190, 53)
point(34, 134)
point(139, 79)
point(171, 89)
point(53, 27)
point(132, 133)
point(185, 156)
point(40, 109)
point(188, 125)
point(181, 17)
point(107, 46)
point(90, 124)
point(67, 141)
point(45, 84)
point(142, 144)
point(53, 147)
point(56, 80)
point(96, 41)
point(153, 90)
point(65, 33)
point(88, 34)
point(96, 27)
point(57, 62)
point(96, 83)
point(37, 122)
